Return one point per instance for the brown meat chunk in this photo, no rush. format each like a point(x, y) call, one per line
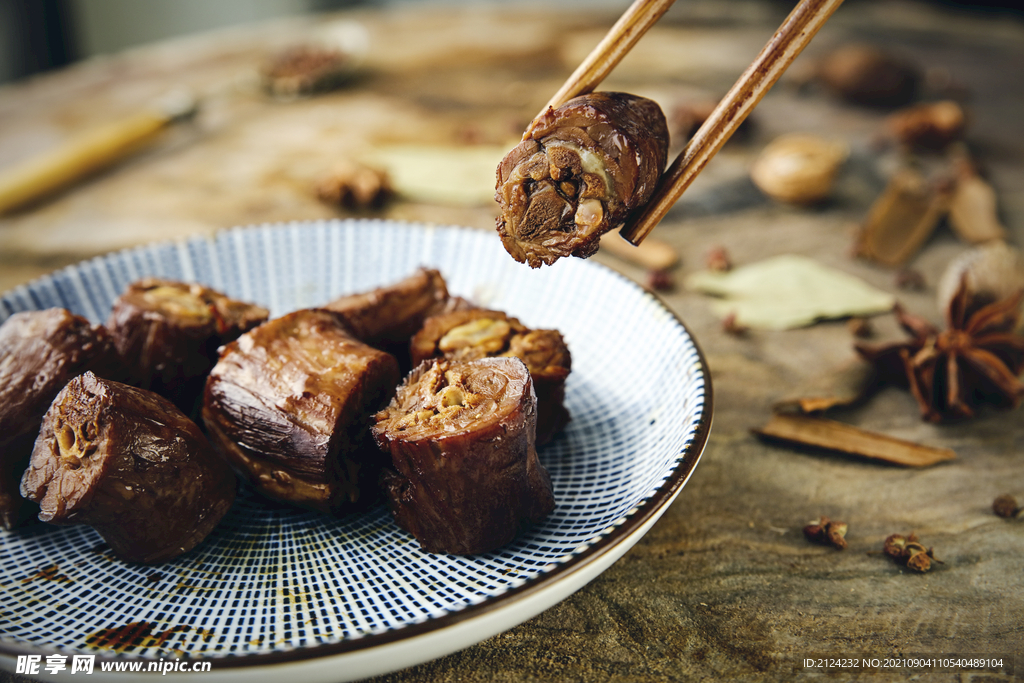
point(168, 333)
point(578, 173)
point(288, 405)
point(466, 477)
point(128, 463)
point(393, 313)
point(39, 352)
point(482, 333)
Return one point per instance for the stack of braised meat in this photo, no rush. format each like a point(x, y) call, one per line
point(96, 422)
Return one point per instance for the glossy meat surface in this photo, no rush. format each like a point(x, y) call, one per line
point(288, 405)
point(168, 333)
point(128, 463)
point(392, 314)
point(483, 333)
point(578, 173)
point(39, 352)
point(465, 477)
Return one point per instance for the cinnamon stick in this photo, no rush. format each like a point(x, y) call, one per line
point(844, 438)
point(901, 219)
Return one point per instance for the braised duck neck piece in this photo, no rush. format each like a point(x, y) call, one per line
point(168, 333)
point(128, 463)
point(466, 477)
point(288, 405)
point(578, 173)
point(482, 333)
point(39, 352)
point(392, 314)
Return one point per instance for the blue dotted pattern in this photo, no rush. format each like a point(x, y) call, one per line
point(271, 578)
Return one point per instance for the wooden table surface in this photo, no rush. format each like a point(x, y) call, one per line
point(725, 585)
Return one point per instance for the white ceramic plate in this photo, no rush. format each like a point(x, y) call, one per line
point(280, 591)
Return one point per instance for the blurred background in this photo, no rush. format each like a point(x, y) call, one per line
point(38, 35)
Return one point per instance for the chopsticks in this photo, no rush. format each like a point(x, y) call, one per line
point(621, 38)
point(789, 41)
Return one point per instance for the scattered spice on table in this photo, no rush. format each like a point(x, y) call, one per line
point(902, 218)
point(973, 206)
point(305, 69)
point(732, 326)
point(845, 384)
point(869, 75)
point(931, 126)
point(717, 260)
point(787, 291)
point(860, 327)
point(660, 280)
point(843, 438)
point(827, 532)
point(355, 186)
point(1005, 506)
point(976, 360)
point(799, 168)
point(910, 552)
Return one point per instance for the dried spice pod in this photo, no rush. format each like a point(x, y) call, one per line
point(168, 333)
point(305, 70)
point(976, 360)
point(843, 385)
point(928, 127)
point(482, 333)
point(288, 405)
point(868, 75)
point(578, 173)
point(908, 551)
point(843, 438)
point(1005, 506)
point(39, 352)
point(799, 168)
point(827, 532)
point(973, 209)
point(901, 219)
point(355, 186)
point(466, 477)
point(128, 463)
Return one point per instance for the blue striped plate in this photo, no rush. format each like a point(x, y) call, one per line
point(341, 599)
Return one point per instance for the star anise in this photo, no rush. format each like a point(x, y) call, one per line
point(977, 359)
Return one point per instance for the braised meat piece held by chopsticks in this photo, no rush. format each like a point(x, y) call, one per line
point(578, 173)
point(128, 463)
point(168, 333)
point(39, 352)
point(466, 477)
point(288, 404)
point(482, 333)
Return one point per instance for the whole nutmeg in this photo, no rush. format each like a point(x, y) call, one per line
point(932, 126)
point(863, 74)
point(798, 168)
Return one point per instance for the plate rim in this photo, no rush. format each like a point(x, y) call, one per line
point(646, 513)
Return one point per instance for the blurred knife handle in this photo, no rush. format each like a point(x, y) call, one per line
point(80, 157)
